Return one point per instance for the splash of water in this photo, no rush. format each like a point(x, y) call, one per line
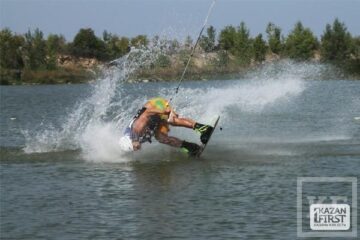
point(96, 123)
point(91, 116)
point(259, 89)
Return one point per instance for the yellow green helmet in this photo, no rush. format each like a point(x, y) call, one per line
point(159, 103)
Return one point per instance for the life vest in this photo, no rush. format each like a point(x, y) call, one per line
point(154, 120)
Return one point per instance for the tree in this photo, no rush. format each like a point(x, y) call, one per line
point(35, 50)
point(301, 43)
point(243, 46)
point(353, 64)
point(86, 44)
point(106, 36)
point(336, 42)
point(227, 38)
point(356, 45)
point(11, 50)
point(207, 43)
point(139, 41)
point(237, 41)
point(124, 45)
point(55, 44)
point(274, 38)
point(115, 46)
point(260, 48)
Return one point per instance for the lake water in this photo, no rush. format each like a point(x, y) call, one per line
point(63, 175)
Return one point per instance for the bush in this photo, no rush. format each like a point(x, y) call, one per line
point(207, 43)
point(274, 38)
point(260, 48)
point(163, 61)
point(336, 43)
point(301, 43)
point(11, 50)
point(86, 44)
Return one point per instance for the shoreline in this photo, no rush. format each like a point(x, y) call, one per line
point(77, 72)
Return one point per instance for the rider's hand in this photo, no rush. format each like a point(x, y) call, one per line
point(174, 113)
point(136, 145)
point(167, 110)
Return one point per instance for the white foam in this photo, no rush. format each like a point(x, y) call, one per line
point(246, 95)
point(92, 111)
point(99, 143)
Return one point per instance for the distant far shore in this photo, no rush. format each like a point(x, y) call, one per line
point(31, 59)
point(83, 70)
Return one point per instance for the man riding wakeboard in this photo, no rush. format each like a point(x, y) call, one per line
point(153, 120)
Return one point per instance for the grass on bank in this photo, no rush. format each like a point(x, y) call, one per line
point(57, 76)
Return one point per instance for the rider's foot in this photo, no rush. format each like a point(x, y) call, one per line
point(191, 148)
point(204, 130)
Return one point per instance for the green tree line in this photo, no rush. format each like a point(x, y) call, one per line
point(336, 45)
point(32, 51)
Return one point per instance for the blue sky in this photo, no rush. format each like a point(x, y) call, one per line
point(172, 18)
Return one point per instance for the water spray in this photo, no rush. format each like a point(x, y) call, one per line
point(193, 51)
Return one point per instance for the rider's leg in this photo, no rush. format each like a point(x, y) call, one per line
point(192, 148)
point(182, 122)
point(165, 139)
point(204, 130)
